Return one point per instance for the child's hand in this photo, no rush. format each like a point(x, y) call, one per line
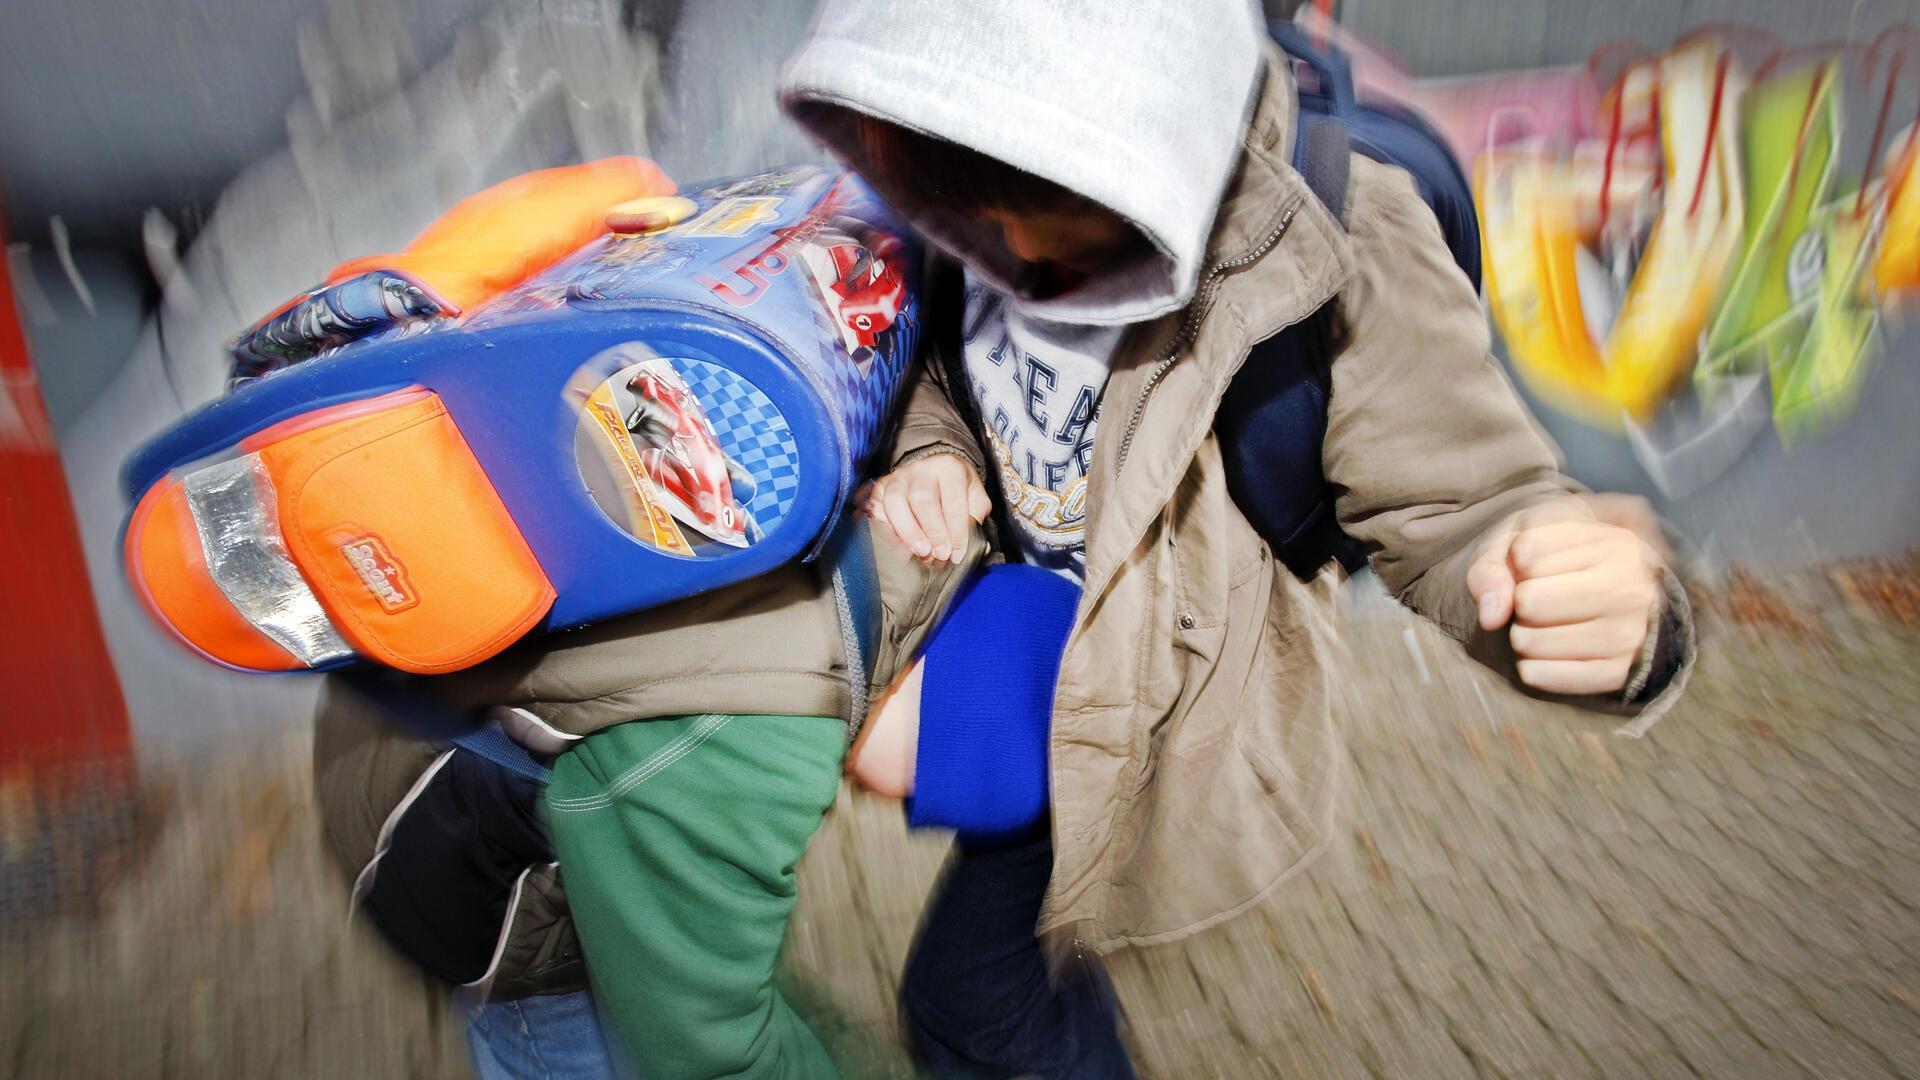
point(1580, 594)
point(930, 503)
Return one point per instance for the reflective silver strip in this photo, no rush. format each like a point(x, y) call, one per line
point(232, 505)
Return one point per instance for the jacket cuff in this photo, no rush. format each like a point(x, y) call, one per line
point(1666, 663)
point(1653, 666)
point(935, 450)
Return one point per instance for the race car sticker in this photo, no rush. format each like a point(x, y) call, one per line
point(687, 457)
point(855, 277)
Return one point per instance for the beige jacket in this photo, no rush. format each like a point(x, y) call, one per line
point(773, 644)
point(1193, 763)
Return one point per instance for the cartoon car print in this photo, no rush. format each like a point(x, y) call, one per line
point(860, 286)
point(329, 318)
point(627, 266)
point(697, 482)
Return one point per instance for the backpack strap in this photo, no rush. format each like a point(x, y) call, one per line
point(848, 563)
point(1323, 153)
point(945, 347)
point(491, 743)
point(1273, 418)
point(426, 716)
point(1322, 147)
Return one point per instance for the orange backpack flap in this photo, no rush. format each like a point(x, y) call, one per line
point(498, 238)
point(402, 536)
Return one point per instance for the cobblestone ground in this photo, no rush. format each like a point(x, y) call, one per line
point(1515, 892)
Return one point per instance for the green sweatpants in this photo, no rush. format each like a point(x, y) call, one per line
point(677, 841)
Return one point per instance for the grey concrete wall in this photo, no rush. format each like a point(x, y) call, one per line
point(108, 107)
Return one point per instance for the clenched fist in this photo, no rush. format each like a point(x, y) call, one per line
point(1580, 594)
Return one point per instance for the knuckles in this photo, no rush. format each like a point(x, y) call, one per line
point(1631, 598)
point(1528, 551)
point(1529, 600)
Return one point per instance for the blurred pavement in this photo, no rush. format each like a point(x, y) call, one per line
point(1515, 892)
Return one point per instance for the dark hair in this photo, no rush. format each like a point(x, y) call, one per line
point(923, 169)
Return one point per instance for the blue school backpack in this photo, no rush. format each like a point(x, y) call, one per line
point(1273, 417)
point(539, 415)
point(580, 393)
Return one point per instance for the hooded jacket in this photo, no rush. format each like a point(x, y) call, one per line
point(1193, 755)
point(1137, 106)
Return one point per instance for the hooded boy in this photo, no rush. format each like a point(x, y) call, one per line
point(1114, 181)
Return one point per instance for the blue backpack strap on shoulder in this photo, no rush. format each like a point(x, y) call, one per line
point(1273, 418)
point(1322, 144)
point(1382, 131)
point(423, 714)
point(1323, 154)
point(856, 595)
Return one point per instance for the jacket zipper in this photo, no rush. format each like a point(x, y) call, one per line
point(1189, 326)
point(1196, 311)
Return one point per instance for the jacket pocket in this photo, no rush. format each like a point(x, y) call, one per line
point(1219, 661)
point(1214, 551)
point(1287, 738)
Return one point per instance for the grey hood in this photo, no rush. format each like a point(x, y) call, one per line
point(1139, 105)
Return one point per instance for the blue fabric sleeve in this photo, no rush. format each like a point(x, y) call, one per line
point(986, 702)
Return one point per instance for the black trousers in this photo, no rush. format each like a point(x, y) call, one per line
point(978, 999)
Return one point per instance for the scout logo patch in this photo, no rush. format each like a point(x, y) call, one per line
point(380, 572)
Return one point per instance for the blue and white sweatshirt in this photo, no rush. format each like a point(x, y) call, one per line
point(1037, 385)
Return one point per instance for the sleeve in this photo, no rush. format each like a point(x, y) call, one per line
point(930, 422)
point(677, 841)
point(1428, 445)
point(980, 762)
point(913, 596)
